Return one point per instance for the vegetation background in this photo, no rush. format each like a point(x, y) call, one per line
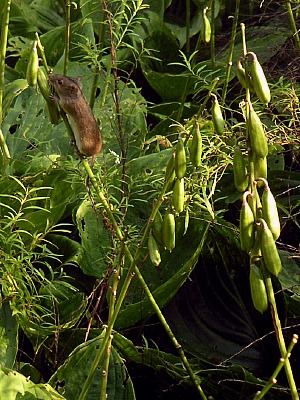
point(84, 313)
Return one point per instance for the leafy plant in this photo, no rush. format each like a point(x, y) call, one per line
point(77, 281)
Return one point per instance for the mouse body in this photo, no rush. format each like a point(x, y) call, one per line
point(68, 94)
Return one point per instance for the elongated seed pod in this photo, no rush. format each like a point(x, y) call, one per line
point(52, 107)
point(153, 251)
point(42, 80)
point(180, 159)
point(259, 80)
point(255, 252)
point(258, 140)
point(170, 172)
point(239, 170)
point(168, 231)
point(178, 195)
point(196, 147)
point(206, 28)
point(269, 250)
point(157, 226)
point(241, 75)
point(32, 66)
point(260, 167)
point(270, 211)
point(217, 116)
point(258, 289)
point(246, 225)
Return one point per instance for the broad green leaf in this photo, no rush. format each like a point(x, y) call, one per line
point(8, 336)
point(14, 386)
point(175, 269)
point(95, 240)
point(11, 91)
point(212, 315)
point(71, 376)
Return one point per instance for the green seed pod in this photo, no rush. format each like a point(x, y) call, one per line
point(33, 66)
point(186, 220)
point(246, 225)
point(206, 28)
point(153, 251)
point(258, 289)
point(270, 212)
point(157, 226)
point(178, 195)
point(180, 159)
point(269, 250)
point(217, 116)
point(259, 143)
point(42, 80)
point(241, 75)
point(239, 170)
point(260, 168)
point(170, 172)
point(196, 147)
point(259, 80)
point(255, 252)
point(52, 108)
point(168, 231)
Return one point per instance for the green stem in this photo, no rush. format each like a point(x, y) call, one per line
point(67, 38)
point(279, 334)
point(212, 40)
point(188, 25)
point(97, 69)
point(133, 269)
point(202, 107)
point(42, 53)
point(272, 381)
point(3, 46)
point(104, 372)
point(293, 25)
point(231, 48)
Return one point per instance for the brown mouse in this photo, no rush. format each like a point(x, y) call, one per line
point(86, 131)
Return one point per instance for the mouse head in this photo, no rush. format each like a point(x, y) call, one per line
point(65, 86)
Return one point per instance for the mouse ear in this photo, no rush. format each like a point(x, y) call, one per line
point(78, 79)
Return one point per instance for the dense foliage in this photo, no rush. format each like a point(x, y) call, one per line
point(97, 300)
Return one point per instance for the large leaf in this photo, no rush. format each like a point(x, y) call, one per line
point(95, 240)
point(16, 386)
point(8, 336)
point(71, 376)
point(176, 268)
point(228, 382)
point(212, 314)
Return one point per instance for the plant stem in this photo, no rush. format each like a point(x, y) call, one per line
point(279, 334)
point(212, 40)
point(67, 38)
point(133, 269)
point(293, 25)
point(42, 52)
point(188, 24)
point(272, 381)
point(231, 48)
point(3, 46)
point(97, 69)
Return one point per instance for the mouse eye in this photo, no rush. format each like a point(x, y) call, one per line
point(60, 82)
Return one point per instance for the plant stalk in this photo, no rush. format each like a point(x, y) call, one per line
point(231, 48)
point(272, 381)
point(279, 334)
point(133, 270)
point(67, 38)
point(293, 25)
